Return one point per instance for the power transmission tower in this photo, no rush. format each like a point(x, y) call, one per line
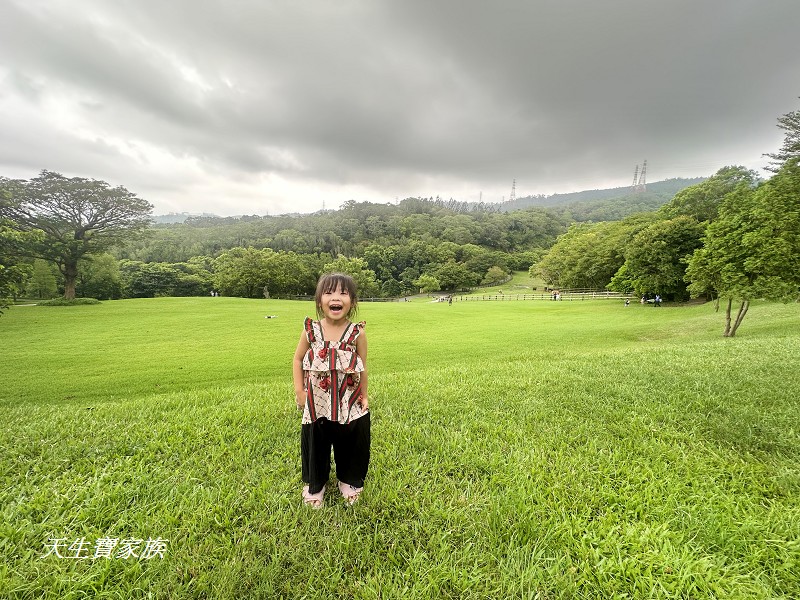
point(640, 184)
point(513, 195)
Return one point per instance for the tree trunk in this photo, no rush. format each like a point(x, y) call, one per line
point(70, 275)
point(727, 332)
point(742, 312)
point(730, 330)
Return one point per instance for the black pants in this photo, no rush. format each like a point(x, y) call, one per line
point(350, 444)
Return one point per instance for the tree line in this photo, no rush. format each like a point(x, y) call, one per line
point(731, 236)
point(393, 250)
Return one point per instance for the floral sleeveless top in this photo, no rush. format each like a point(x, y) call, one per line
point(332, 375)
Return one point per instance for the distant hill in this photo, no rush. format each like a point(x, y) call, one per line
point(171, 218)
point(590, 205)
point(666, 188)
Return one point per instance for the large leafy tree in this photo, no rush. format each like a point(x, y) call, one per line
point(454, 276)
point(241, 272)
point(77, 217)
point(790, 123)
point(589, 255)
point(359, 270)
point(752, 250)
point(701, 201)
point(655, 260)
point(12, 273)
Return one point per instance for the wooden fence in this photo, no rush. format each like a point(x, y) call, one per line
point(564, 295)
point(568, 295)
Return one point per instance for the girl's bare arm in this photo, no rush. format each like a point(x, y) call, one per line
point(361, 350)
point(297, 369)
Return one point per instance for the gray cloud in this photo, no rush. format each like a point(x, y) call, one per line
point(250, 106)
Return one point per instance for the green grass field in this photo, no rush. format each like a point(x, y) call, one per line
point(520, 450)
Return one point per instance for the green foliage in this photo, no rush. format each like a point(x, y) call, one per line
point(752, 250)
point(428, 283)
point(13, 272)
point(622, 281)
point(493, 276)
point(100, 277)
point(383, 229)
point(454, 276)
point(701, 201)
point(589, 255)
point(398, 243)
point(790, 149)
point(655, 259)
point(75, 218)
point(69, 302)
point(358, 269)
point(249, 273)
point(584, 202)
point(42, 283)
point(148, 280)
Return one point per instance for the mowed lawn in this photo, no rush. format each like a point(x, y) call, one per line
point(529, 449)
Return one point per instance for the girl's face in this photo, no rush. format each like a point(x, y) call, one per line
point(336, 305)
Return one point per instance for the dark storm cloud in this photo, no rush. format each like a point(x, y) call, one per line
point(392, 98)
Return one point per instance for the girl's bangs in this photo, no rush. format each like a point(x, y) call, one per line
point(332, 283)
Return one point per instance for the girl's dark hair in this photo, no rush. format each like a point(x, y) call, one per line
point(333, 281)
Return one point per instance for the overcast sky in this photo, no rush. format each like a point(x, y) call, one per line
point(268, 107)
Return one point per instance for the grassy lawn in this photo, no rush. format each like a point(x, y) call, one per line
point(520, 450)
point(521, 283)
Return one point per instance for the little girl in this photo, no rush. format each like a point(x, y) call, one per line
point(330, 386)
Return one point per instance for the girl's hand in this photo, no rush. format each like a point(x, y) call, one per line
point(364, 402)
point(300, 400)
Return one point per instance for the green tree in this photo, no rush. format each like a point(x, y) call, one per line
point(289, 274)
point(77, 217)
point(42, 282)
point(494, 275)
point(13, 273)
point(588, 255)
point(701, 201)
point(655, 260)
point(408, 280)
point(148, 280)
point(100, 278)
point(194, 278)
point(391, 288)
point(790, 123)
point(752, 250)
point(453, 276)
point(427, 284)
point(380, 260)
point(241, 272)
point(358, 269)
point(622, 281)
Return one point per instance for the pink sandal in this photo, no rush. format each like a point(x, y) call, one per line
point(350, 493)
point(313, 500)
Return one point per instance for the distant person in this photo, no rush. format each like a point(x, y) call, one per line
point(330, 385)
point(657, 300)
point(450, 301)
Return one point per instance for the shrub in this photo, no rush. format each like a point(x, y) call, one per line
point(65, 302)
